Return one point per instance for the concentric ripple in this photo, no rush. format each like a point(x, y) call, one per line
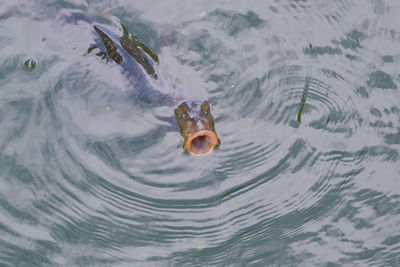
point(308, 120)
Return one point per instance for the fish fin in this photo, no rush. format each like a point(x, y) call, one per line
point(125, 31)
point(91, 48)
point(135, 41)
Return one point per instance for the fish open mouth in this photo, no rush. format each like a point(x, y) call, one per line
point(201, 143)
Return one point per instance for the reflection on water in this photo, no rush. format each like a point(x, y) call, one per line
point(305, 99)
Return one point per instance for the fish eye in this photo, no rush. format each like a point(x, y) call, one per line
point(183, 116)
point(206, 112)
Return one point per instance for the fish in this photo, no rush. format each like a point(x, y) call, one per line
point(196, 126)
point(193, 117)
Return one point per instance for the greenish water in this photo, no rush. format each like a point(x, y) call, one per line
point(306, 101)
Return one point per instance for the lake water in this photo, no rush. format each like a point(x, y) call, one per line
point(306, 101)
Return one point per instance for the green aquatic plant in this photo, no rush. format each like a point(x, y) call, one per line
point(303, 100)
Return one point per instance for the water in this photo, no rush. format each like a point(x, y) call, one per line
point(306, 101)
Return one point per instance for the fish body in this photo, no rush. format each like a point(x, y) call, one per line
point(137, 66)
point(193, 117)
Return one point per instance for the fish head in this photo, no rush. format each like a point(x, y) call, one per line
point(196, 125)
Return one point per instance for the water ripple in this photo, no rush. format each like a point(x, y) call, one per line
point(304, 100)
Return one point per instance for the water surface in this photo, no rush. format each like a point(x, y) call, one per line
point(306, 102)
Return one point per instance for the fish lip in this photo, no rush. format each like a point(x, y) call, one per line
point(211, 139)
